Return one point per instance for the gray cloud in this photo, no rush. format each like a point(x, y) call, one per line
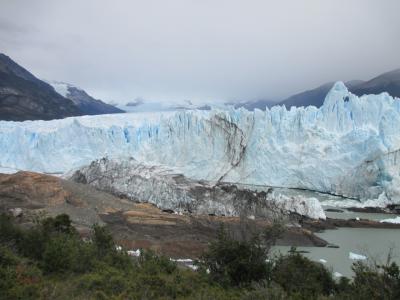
point(201, 50)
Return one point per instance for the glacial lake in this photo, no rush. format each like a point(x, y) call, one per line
point(371, 242)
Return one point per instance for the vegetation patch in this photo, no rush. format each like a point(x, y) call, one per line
point(49, 260)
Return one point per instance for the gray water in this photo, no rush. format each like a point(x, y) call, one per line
point(374, 243)
point(371, 242)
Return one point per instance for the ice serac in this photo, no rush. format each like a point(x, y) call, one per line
point(347, 147)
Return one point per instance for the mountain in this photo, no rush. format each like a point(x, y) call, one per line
point(85, 103)
point(346, 147)
point(24, 97)
point(388, 82)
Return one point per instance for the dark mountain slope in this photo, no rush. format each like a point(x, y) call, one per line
point(388, 82)
point(24, 97)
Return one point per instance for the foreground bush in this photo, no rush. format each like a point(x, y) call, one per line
point(372, 281)
point(235, 263)
point(50, 261)
point(302, 277)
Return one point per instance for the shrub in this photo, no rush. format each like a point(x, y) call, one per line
point(152, 263)
point(302, 277)
point(373, 282)
point(58, 255)
point(108, 280)
point(265, 291)
point(235, 263)
point(60, 224)
point(18, 279)
point(9, 233)
point(103, 240)
point(32, 244)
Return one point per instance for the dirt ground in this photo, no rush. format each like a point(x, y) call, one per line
point(134, 225)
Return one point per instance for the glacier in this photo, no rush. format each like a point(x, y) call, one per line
point(350, 146)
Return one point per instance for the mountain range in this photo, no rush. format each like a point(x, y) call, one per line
point(25, 97)
point(387, 82)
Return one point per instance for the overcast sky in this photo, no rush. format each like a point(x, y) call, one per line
point(204, 50)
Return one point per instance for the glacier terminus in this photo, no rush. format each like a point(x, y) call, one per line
point(348, 147)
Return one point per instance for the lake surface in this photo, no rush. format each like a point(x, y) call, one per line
point(371, 242)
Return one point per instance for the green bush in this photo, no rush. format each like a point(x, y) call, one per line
point(58, 255)
point(9, 233)
point(19, 279)
point(32, 243)
point(235, 263)
point(373, 282)
point(265, 291)
point(108, 280)
point(302, 277)
point(103, 240)
point(153, 264)
point(61, 224)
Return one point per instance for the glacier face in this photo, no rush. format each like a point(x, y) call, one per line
point(349, 146)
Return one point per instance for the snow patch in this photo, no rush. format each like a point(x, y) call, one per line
point(60, 87)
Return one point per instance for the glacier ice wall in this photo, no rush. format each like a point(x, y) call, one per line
point(347, 147)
